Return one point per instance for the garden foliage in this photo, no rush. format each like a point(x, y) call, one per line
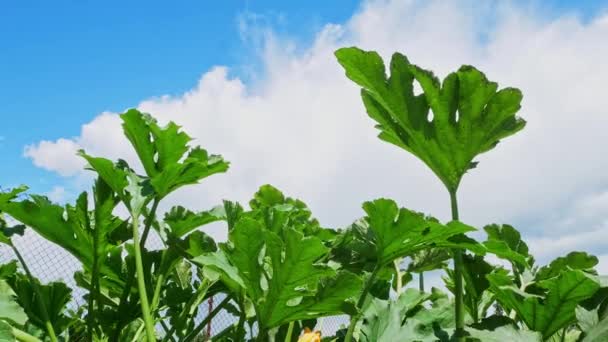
point(280, 271)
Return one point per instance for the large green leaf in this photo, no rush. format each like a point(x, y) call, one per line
point(168, 160)
point(9, 308)
point(437, 321)
point(429, 259)
point(282, 275)
point(165, 155)
point(548, 312)
point(469, 114)
point(6, 332)
point(193, 245)
point(573, 260)
point(278, 212)
point(594, 328)
point(82, 232)
point(6, 231)
point(383, 319)
point(181, 221)
point(114, 174)
point(505, 242)
point(351, 249)
point(55, 296)
point(395, 232)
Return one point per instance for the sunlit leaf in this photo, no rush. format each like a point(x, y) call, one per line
point(469, 114)
point(10, 310)
point(283, 277)
point(395, 232)
point(164, 152)
point(181, 221)
point(574, 260)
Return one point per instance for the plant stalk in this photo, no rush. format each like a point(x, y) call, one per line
point(124, 297)
point(149, 219)
point(360, 302)
point(157, 289)
point(458, 286)
point(94, 288)
point(141, 283)
point(45, 314)
point(22, 336)
point(289, 332)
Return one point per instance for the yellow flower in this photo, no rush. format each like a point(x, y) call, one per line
point(310, 336)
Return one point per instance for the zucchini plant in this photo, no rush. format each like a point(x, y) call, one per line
point(281, 271)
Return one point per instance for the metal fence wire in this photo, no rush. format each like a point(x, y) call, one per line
point(49, 262)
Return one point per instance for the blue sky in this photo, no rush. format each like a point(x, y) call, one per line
point(299, 123)
point(64, 62)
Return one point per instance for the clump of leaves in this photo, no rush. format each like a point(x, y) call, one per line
point(447, 126)
point(274, 262)
point(281, 269)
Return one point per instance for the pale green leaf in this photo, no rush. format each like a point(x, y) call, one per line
point(469, 114)
point(9, 308)
point(549, 312)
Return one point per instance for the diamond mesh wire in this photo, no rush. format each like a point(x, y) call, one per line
point(49, 262)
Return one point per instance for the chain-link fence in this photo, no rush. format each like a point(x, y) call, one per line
point(48, 262)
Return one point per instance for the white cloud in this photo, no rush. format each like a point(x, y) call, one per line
point(57, 194)
point(58, 156)
point(300, 124)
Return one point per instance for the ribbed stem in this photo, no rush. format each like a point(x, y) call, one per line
point(124, 297)
point(22, 336)
point(360, 302)
point(141, 283)
point(94, 287)
point(289, 332)
point(458, 287)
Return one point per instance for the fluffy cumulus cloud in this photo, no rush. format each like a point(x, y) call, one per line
point(300, 123)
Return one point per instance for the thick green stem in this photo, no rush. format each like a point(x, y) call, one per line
point(22, 336)
point(157, 289)
point(148, 222)
point(141, 283)
point(94, 287)
point(124, 297)
point(421, 281)
point(360, 302)
point(45, 314)
point(289, 332)
point(458, 287)
point(204, 322)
